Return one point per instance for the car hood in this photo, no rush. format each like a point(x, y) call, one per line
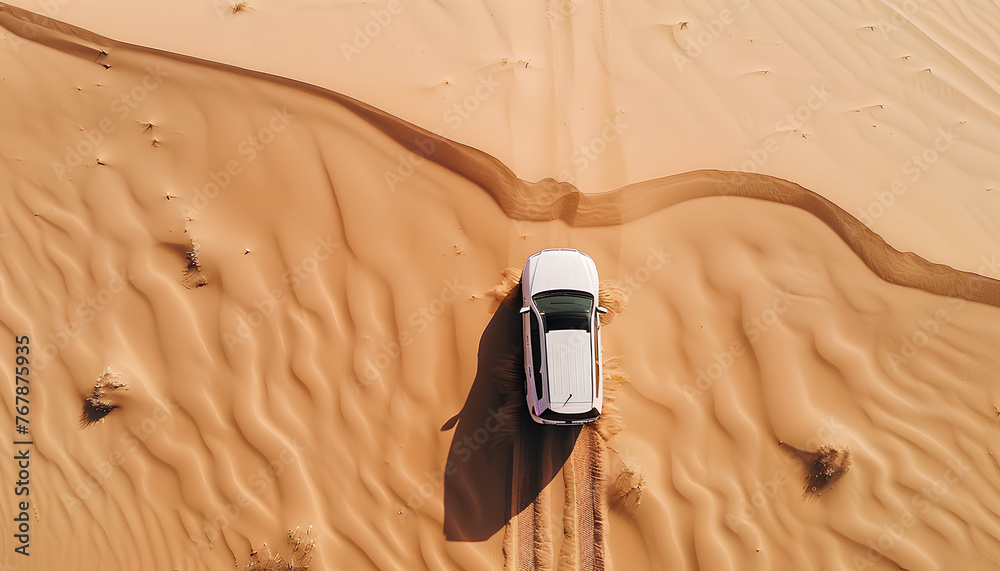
point(562, 270)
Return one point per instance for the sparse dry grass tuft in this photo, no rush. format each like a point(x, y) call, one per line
point(192, 271)
point(822, 468)
point(299, 560)
point(626, 494)
point(96, 406)
point(241, 7)
point(826, 468)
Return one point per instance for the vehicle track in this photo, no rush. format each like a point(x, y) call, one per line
point(588, 485)
point(528, 542)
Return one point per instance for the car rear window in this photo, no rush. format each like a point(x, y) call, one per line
point(592, 414)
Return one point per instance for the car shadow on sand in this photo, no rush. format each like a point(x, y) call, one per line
point(499, 460)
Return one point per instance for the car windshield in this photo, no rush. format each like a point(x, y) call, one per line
point(562, 310)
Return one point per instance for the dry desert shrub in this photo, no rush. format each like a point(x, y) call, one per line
point(827, 466)
point(822, 468)
point(97, 406)
point(192, 270)
point(626, 493)
point(298, 560)
point(241, 7)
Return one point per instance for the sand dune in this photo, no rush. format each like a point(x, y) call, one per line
point(304, 328)
point(835, 97)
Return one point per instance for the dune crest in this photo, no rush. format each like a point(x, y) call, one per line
point(549, 199)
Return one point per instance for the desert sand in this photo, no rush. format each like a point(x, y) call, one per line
point(267, 270)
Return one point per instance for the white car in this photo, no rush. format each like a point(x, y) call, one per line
point(562, 337)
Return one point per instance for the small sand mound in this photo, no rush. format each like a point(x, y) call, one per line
point(96, 406)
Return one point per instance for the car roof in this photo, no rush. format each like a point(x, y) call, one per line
point(570, 370)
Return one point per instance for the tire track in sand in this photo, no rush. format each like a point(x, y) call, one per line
point(533, 539)
point(588, 492)
point(528, 543)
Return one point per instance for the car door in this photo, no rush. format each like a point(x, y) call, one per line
point(533, 358)
point(528, 349)
point(598, 358)
point(538, 360)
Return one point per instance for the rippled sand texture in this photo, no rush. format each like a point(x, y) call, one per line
point(296, 339)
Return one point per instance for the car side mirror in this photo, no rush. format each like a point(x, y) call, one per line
point(602, 310)
point(525, 309)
